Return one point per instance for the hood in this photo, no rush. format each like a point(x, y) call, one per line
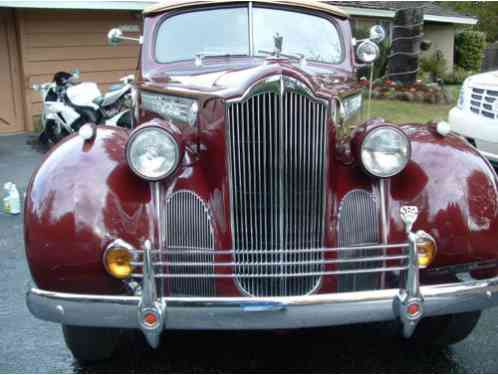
point(233, 80)
point(489, 79)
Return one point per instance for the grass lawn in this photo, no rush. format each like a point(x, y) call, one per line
point(403, 112)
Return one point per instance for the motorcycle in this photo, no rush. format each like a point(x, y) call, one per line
point(68, 104)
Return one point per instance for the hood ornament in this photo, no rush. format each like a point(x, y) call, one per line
point(279, 42)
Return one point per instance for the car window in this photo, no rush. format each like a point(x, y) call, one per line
point(315, 37)
point(210, 32)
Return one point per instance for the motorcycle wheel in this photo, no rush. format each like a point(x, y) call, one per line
point(52, 135)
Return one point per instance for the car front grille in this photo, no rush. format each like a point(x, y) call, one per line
point(358, 226)
point(277, 144)
point(483, 102)
point(189, 246)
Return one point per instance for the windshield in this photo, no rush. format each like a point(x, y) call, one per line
point(219, 32)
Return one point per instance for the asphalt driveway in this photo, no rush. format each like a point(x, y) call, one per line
point(30, 345)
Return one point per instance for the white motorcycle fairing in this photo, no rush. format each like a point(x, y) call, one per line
point(83, 94)
point(53, 111)
point(112, 96)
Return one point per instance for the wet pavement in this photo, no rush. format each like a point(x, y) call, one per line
point(30, 345)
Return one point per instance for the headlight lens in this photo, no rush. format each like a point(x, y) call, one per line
point(118, 259)
point(385, 152)
point(153, 153)
point(173, 108)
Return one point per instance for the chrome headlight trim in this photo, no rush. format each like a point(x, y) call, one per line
point(405, 152)
point(161, 132)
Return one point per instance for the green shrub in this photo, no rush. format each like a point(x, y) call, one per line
point(458, 75)
point(469, 48)
point(435, 65)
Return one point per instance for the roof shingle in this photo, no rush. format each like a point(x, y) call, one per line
point(430, 7)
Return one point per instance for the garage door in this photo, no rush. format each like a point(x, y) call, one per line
point(11, 116)
point(55, 40)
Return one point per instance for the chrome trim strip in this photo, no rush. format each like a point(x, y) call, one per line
point(267, 264)
point(315, 250)
point(246, 312)
point(272, 84)
point(277, 275)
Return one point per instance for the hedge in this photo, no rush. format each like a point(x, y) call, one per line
point(469, 48)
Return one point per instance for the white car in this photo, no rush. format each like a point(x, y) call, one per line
point(476, 114)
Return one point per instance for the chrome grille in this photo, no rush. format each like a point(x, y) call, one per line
point(189, 242)
point(358, 226)
point(277, 162)
point(484, 103)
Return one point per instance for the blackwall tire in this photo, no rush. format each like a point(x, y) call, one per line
point(90, 344)
point(444, 330)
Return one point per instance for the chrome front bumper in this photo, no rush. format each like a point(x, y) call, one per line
point(260, 313)
point(409, 304)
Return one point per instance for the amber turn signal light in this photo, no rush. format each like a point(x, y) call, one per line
point(426, 249)
point(118, 261)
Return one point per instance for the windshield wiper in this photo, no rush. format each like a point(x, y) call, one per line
point(199, 57)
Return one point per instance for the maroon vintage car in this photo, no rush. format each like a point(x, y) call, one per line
point(251, 194)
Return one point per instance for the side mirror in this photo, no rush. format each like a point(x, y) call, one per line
point(377, 34)
point(115, 36)
point(367, 52)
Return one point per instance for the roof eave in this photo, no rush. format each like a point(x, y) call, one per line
point(138, 5)
point(382, 13)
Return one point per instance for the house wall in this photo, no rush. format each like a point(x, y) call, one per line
point(443, 39)
point(63, 40)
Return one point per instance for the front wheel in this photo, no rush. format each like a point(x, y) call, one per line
point(445, 330)
point(91, 344)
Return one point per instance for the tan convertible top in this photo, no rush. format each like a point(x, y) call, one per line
point(310, 4)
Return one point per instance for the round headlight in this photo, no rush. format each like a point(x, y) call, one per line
point(385, 152)
point(152, 153)
point(367, 52)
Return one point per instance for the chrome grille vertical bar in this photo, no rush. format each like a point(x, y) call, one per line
point(277, 188)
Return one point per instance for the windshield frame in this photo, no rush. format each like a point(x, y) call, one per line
point(250, 8)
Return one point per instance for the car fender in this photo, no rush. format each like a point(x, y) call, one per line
point(455, 190)
point(81, 198)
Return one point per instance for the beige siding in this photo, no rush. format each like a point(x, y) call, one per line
point(11, 98)
point(55, 40)
point(443, 38)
